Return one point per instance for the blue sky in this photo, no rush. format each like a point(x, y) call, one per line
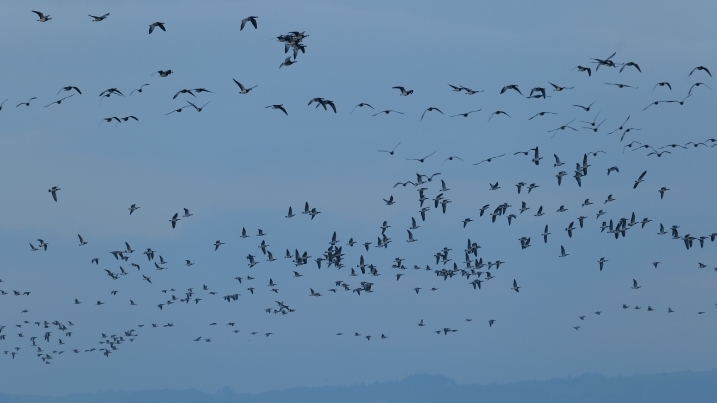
point(237, 164)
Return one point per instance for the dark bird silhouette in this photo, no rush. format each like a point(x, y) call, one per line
point(420, 159)
point(698, 68)
point(242, 89)
point(361, 105)
point(586, 108)
point(497, 113)
point(70, 88)
point(98, 18)
point(251, 19)
point(511, 87)
point(46, 17)
point(465, 115)
point(154, 25)
point(404, 92)
point(279, 107)
point(392, 150)
point(26, 103)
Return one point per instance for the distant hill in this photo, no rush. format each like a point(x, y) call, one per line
point(693, 387)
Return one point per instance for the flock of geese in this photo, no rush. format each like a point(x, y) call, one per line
point(351, 259)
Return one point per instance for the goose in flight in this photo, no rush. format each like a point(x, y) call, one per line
point(640, 179)
point(581, 69)
point(662, 191)
point(174, 220)
point(404, 184)
point(539, 92)
point(586, 108)
point(420, 159)
point(410, 237)
point(515, 286)
point(621, 85)
point(98, 18)
point(54, 191)
point(451, 159)
point(139, 89)
point(541, 114)
point(497, 113)
point(198, 108)
point(251, 19)
point(178, 110)
point(545, 234)
point(162, 73)
point(242, 89)
point(562, 251)
point(46, 17)
point(570, 229)
point(634, 284)
point(59, 101)
point(429, 110)
point(392, 150)
point(387, 111)
point(404, 92)
point(154, 25)
point(184, 91)
point(697, 85)
point(628, 64)
point(465, 115)
point(662, 84)
point(563, 127)
point(604, 62)
point(489, 159)
point(698, 68)
point(26, 103)
point(558, 88)
point(82, 241)
point(279, 107)
point(601, 262)
point(511, 87)
point(361, 105)
point(70, 88)
point(287, 62)
point(132, 208)
point(471, 92)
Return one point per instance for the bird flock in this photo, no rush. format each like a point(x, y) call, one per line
point(351, 265)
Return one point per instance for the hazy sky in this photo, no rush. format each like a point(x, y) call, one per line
point(237, 164)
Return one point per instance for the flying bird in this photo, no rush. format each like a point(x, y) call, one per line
point(46, 17)
point(98, 18)
point(53, 190)
point(404, 92)
point(154, 25)
point(242, 89)
point(279, 107)
point(251, 19)
point(640, 179)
